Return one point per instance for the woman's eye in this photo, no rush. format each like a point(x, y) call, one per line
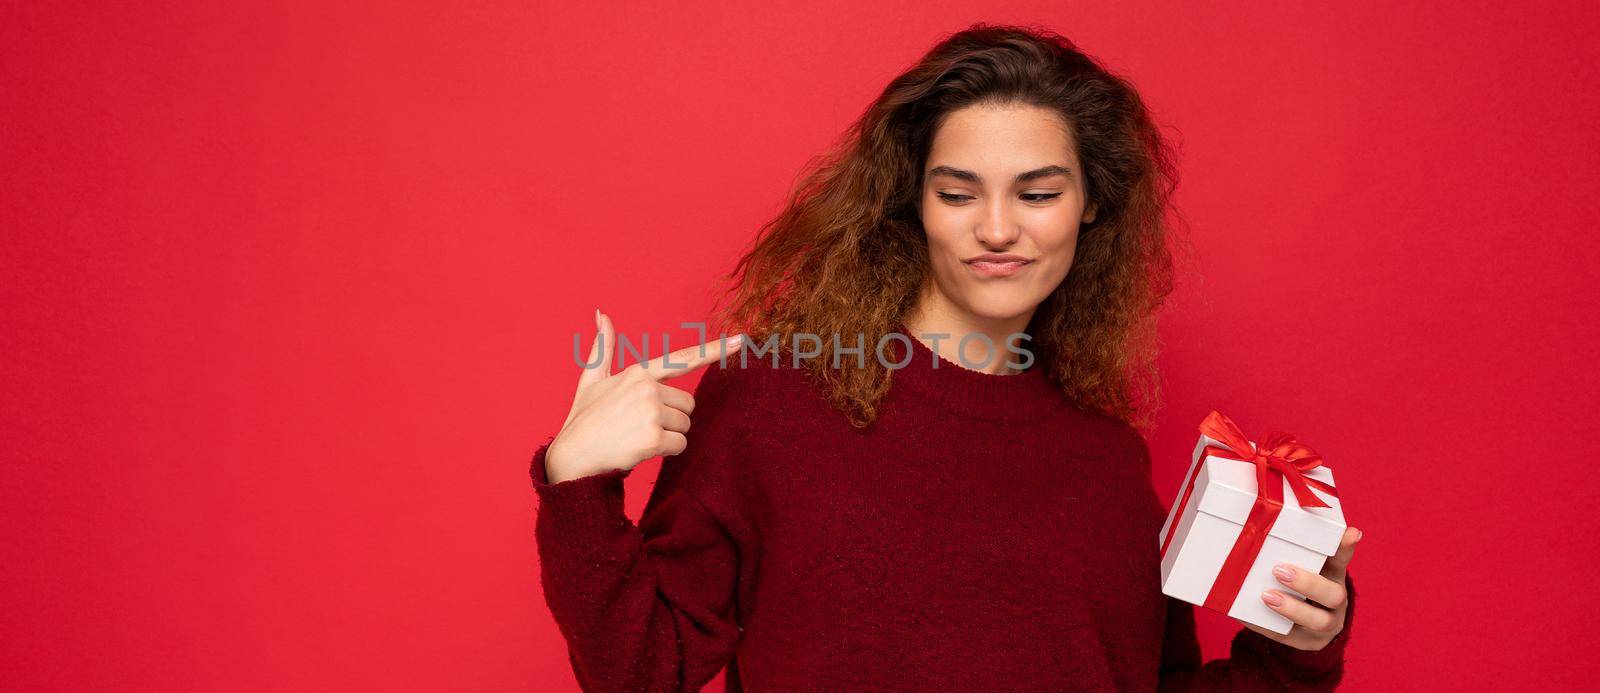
point(1030, 197)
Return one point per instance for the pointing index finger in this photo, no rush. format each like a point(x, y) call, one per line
point(690, 358)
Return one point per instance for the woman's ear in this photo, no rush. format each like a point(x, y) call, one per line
point(1090, 212)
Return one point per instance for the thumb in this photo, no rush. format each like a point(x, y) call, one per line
point(601, 350)
point(1339, 562)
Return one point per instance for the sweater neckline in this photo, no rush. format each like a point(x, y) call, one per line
point(975, 394)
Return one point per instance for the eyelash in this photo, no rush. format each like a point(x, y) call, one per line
point(1030, 197)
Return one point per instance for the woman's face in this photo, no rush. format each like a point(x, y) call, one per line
point(1002, 198)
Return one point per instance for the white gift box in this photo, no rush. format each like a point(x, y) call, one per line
point(1213, 519)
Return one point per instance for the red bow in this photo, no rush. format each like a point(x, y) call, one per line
point(1278, 452)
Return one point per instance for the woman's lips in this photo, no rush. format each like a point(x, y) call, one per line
point(997, 268)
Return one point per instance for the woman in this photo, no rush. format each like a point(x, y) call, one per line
point(958, 522)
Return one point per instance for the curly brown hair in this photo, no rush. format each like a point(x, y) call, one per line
point(848, 254)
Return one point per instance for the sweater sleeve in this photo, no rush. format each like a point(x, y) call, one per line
point(652, 606)
point(1255, 662)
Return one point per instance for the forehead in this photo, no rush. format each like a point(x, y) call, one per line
point(997, 139)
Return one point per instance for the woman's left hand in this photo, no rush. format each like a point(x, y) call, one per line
point(1314, 626)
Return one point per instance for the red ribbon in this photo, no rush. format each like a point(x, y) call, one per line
point(1278, 457)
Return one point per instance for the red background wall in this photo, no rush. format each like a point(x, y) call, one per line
point(288, 294)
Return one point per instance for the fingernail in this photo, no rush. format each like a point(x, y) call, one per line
point(1272, 598)
point(1358, 535)
point(1283, 573)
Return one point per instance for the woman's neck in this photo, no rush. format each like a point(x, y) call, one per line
point(942, 326)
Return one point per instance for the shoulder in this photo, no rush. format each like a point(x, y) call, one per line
point(1116, 439)
point(750, 386)
point(735, 408)
point(1124, 469)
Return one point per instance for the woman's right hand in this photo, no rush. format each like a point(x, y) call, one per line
point(620, 419)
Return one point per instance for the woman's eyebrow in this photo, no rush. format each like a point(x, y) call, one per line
point(1025, 176)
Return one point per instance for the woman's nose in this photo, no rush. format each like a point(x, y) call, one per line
point(998, 229)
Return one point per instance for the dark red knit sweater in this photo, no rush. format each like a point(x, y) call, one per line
point(983, 534)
